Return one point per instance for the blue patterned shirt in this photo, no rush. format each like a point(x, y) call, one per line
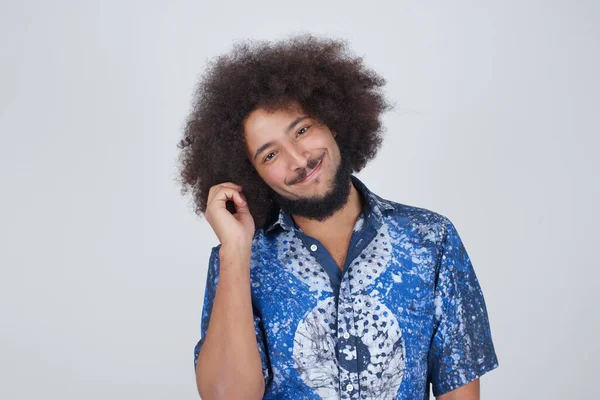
point(406, 312)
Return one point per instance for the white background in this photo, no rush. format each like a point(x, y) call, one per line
point(103, 262)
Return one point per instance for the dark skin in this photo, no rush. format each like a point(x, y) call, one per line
point(279, 144)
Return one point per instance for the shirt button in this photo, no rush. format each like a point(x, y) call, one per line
point(349, 387)
point(346, 335)
point(313, 247)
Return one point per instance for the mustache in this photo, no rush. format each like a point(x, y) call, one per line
point(311, 164)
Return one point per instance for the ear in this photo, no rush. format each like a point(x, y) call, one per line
point(334, 133)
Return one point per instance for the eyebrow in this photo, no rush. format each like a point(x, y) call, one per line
point(288, 129)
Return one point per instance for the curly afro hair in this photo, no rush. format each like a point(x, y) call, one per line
point(318, 74)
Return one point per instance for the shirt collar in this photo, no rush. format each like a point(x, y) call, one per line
point(374, 209)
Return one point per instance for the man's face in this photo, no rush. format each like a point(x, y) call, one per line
point(300, 160)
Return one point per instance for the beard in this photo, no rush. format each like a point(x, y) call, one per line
point(321, 208)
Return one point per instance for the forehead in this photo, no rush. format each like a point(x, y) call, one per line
point(262, 121)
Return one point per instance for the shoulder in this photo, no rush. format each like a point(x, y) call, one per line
point(421, 220)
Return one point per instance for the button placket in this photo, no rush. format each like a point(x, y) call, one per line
point(349, 380)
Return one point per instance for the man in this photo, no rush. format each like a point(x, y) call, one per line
point(320, 288)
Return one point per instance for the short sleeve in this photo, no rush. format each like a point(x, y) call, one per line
point(212, 280)
point(461, 348)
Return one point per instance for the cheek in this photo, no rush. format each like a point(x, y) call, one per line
point(274, 175)
point(325, 142)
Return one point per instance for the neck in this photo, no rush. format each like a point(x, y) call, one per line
point(342, 220)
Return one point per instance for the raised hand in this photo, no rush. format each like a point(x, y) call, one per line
point(233, 230)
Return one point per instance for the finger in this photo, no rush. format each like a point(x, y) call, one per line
point(223, 194)
point(231, 185)
point(215, 188)
point(238, 199)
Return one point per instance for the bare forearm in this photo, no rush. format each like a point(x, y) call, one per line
point(229, 365)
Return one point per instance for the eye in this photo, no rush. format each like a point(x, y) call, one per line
point(303, 130)
point(267, 158)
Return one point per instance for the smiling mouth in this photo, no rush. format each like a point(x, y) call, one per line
point(312, 172)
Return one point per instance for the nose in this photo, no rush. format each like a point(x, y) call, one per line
point(297, 157)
